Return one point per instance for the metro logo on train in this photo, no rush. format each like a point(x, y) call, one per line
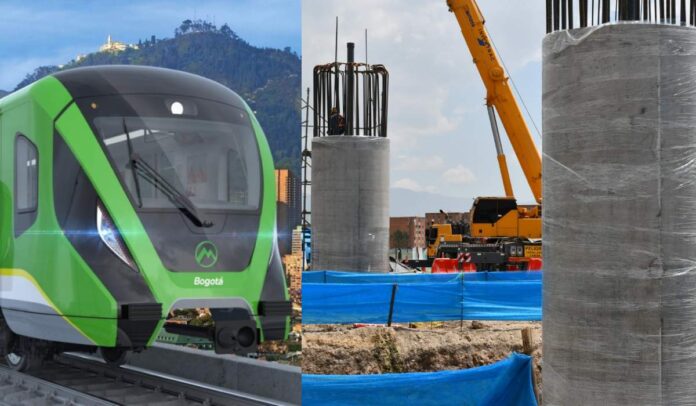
point(206, 254)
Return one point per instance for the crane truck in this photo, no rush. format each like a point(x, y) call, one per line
point(500, 234)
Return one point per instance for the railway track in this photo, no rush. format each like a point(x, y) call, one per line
point(77, 379)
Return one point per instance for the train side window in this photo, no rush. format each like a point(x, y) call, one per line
point(26, 183)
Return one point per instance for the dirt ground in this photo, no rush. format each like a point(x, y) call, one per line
point(422, 347)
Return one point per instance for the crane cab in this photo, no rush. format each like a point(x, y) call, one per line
point(502, 217)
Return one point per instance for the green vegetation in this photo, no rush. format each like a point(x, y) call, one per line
point(268, 79)
point(399, 240)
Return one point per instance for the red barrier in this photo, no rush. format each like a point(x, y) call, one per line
point(451, 265)
point(535, 264)
point(444, 265)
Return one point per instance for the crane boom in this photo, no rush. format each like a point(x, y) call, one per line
point(499, 93)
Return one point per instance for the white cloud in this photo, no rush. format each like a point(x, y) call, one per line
point(459, 175)
point(413, 185)
point(408, 163)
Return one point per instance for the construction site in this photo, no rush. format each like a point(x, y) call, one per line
point(461, 317)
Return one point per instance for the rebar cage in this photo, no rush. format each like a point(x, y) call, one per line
point(569, 14)
point(359, 94)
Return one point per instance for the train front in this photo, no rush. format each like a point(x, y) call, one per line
point(183, 181)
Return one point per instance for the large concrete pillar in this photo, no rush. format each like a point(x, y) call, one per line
point(350, 203)
point(619, 118)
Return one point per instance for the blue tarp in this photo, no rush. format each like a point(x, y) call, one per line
point(507, 382)
point(329, 303)
point(355, 277)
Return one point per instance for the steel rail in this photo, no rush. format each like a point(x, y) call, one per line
point(80, 379)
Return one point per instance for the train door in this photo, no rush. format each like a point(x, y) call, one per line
point(4, 196)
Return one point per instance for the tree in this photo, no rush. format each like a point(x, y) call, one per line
point(227, 31)
point(183, 28)
point(38, 73)
point(399, 240)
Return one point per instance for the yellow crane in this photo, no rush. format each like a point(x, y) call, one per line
point(499, 231)
point(499, 96)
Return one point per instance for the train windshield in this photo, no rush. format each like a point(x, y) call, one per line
point(185, 153)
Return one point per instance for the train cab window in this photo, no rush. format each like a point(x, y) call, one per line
point(209, 155)
point(26, 183)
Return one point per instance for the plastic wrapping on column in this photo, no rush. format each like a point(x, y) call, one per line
point(619, 159)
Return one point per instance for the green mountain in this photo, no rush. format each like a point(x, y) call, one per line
point(3, 93)
point(268, 79)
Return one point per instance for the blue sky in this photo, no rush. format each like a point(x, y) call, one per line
point(43, 32)
point(442, 150)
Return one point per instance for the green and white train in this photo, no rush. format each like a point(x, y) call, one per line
point(125, 193)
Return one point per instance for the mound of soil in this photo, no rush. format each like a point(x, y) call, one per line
point(425, 347)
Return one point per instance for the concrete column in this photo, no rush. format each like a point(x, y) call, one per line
point(350, 204)
point(619, 124)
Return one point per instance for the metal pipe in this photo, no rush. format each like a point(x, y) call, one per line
point(673, 11)
point(583, 13)
point(366, 64)
point(632, 9)
point(336, 85)
point(504, 173)
point(385, 103)
point(350, 88)
point(305, 152)
point(356, 100)
point(603, 16)
point(494, 129)
point(317, 106)
point(390, 317)
point(661, 4)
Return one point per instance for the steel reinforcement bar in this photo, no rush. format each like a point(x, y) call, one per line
point(570, 14)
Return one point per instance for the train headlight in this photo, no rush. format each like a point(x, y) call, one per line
point(177, 108)
point(111, 237)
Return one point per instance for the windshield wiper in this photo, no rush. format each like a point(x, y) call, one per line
point(130, 157)
point(180, 201)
